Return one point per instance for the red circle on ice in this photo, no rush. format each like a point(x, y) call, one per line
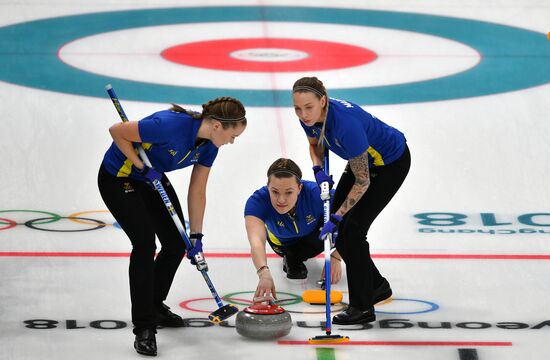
point(269, 55)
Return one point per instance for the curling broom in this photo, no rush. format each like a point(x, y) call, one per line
point(224, 311)
point(328, 338)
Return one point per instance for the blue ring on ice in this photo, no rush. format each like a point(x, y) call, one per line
point(511, 58)
point(431, 307)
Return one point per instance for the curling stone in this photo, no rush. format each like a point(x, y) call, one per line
point(263, 321)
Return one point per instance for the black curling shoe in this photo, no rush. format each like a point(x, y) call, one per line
point(352, 316)
point(294, 269)
point(167, 318)
point(382, 292)
point(146, 343)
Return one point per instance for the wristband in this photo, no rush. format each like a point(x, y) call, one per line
point(336, 219)
point(262, 268)
point(196, 236)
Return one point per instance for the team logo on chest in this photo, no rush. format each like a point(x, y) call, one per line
point(172, 152)
point(310, 219)
point(281, 223)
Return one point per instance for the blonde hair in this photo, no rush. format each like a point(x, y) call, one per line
point(315, 86)
point(227, 110)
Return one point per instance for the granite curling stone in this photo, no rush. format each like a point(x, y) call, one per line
point(263, 322)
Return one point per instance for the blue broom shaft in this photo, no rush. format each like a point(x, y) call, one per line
point(327, 286)
point(212, 289)
point(328, 241)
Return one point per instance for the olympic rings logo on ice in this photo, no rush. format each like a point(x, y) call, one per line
point(400, 306)
point(46, 217)
point(43, 221)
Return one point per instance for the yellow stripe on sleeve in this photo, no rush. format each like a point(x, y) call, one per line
point(185, 157)
point(126, 169)
point(378, 161)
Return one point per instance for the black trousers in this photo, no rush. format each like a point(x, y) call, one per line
point(142, 214)
point(363, 276)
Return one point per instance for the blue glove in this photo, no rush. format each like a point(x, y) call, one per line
point(321, 176)
point(149, 174)
point(331, 227)
point(197, 248)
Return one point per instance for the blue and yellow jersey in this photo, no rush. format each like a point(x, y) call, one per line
point(168, 138)
point(350, 131)
point(284, 229)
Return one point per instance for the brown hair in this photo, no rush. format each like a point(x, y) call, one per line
point(315, 86)
point(227, 110)
point(284, 168)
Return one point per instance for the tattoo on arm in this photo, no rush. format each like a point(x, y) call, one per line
point(360, 168)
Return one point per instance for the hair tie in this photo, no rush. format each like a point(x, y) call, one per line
point(219, 118)
point(307, 88)
point(285, 171)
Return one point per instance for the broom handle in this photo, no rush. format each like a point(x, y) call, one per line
point(325, 195)
point(199, 258)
